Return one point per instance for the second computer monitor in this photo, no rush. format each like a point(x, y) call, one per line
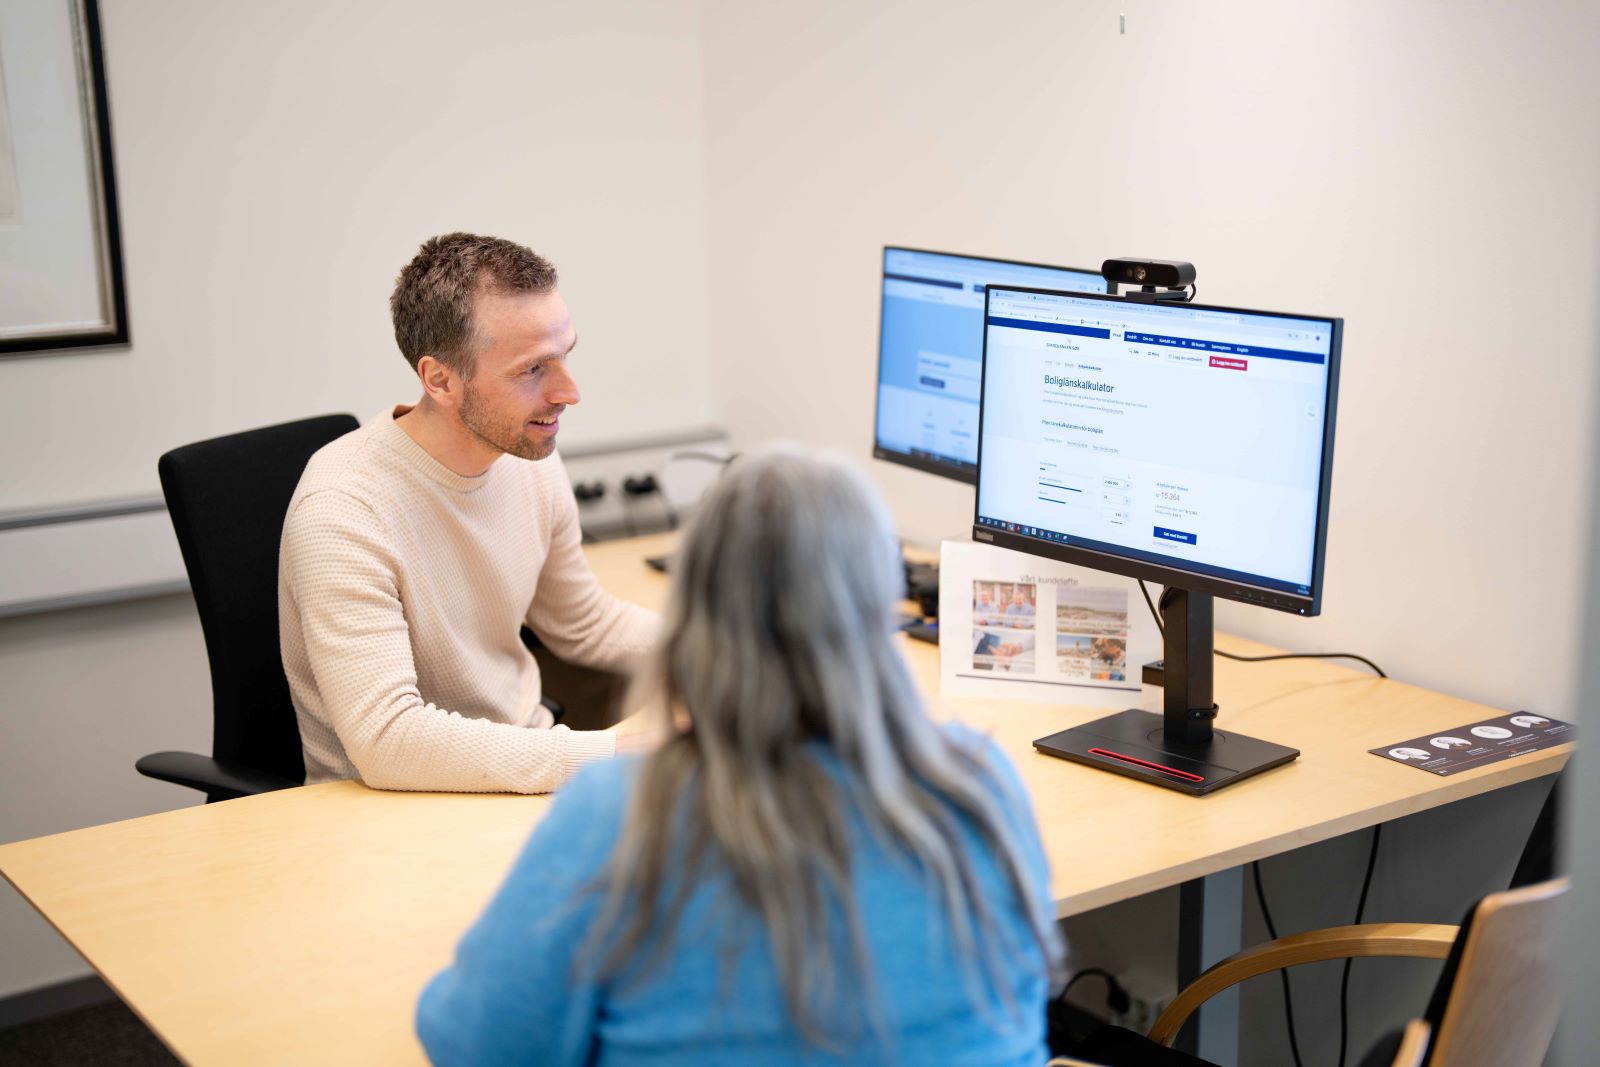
point(930, 352)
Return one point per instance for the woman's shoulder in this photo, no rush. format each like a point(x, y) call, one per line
point(986, 751)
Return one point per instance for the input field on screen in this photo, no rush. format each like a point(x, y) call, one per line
point(1057, 488)
point(954, 377)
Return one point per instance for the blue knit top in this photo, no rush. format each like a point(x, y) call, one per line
point(522, 991)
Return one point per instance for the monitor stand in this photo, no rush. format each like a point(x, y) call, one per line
point(1177, 749)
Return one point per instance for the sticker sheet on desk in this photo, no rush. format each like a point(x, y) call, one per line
point(1476, 744)
point(1019, 626)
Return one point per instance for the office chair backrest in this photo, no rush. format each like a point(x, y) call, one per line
point(1499, 996)
point(228, 497)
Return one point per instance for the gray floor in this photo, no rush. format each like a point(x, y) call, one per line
point(105, 1035)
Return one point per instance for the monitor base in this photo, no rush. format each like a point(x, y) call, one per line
point(1132, 743)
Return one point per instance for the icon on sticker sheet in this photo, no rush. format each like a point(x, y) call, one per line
point(1526, 721)
point(1410, 753)
point(1493, 733)
point(1450, 742)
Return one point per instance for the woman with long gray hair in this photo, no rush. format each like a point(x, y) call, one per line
point(808, 870)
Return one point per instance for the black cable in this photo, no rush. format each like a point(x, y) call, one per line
point(1361, 911)
point(1117, 999)
point(1283, 973)
point(1151, 604)
point(1306, 655)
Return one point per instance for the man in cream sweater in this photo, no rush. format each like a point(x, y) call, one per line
point(416, 546)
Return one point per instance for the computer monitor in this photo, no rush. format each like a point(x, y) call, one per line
point(930, 351)
point(1185, 444)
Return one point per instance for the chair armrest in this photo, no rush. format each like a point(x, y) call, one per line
point(1413, 1044)
point(1429, 941)
point(218, 779)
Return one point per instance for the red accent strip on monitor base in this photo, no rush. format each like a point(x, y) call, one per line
point(1145, 763)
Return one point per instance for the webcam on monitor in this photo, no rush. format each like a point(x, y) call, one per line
point(1171, 273)
point(1157, 279)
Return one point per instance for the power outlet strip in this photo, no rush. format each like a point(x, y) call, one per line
point(1143, 1011)
point(683, 466)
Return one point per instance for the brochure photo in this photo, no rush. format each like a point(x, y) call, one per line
point(1003, 626)
point(1020, 626)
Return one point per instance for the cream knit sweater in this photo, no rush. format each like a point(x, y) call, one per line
point(401, 588)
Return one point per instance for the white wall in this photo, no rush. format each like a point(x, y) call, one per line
point(278, 164)
point(87, 692)
point(1426, 170)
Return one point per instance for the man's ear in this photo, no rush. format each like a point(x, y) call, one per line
point(441, 382)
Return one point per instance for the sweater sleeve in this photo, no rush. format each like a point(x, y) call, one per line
point(571, 612)
point(343, 580)
point(519, 989)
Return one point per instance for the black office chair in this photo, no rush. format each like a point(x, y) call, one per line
point(227, 498)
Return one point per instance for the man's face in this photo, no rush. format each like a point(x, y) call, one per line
point(1018, 597)
point(520, 381)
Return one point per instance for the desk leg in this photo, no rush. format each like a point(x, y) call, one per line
point(1210, 916)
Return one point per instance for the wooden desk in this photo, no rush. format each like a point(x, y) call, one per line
point(1159, 838)
point(300, 926)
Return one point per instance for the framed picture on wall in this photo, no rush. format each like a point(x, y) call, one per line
point(60, 250)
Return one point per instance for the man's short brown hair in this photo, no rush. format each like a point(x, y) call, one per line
point(432, 300)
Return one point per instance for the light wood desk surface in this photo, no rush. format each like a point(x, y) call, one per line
point(300, 926)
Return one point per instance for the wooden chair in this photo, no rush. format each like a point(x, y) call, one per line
point(1496, 1001)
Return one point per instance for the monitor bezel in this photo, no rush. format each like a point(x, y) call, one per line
point(1308, 604)
point(943, 468)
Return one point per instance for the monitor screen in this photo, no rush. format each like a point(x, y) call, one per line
point(930, 351)
point(1186, 444)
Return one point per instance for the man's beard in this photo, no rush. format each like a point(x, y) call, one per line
point(507, 437)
